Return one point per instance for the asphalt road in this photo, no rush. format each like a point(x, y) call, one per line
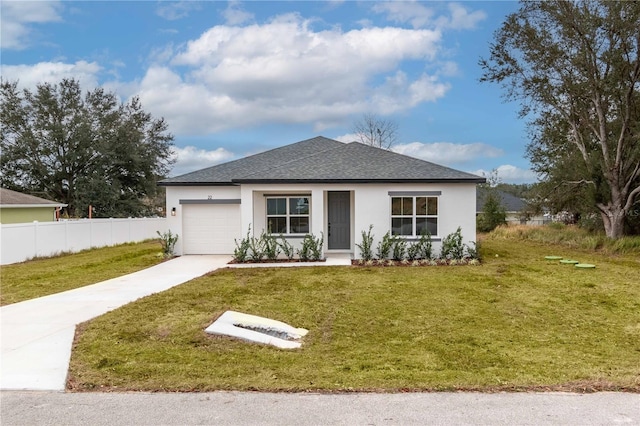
point(241, 408)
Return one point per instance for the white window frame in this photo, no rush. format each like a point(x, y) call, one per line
point(414, 216)
point(288, 215)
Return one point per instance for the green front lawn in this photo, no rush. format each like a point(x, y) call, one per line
point(44, 276)
point(516, 322)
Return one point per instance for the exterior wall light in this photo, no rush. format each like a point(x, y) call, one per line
point(173, 211)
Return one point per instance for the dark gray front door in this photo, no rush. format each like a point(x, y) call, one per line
point(339, 220)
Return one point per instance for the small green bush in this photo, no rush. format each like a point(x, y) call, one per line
point(426, 246)
point(317, 247)
point(384, 246)
point(168, 242)
point(473, 252)
point(413, 250)
point(399, 248)
point(286, 247)
point(311, 248)
point(271, 248)
point(256, 249)
point(366, 246)
point(452, 246)
point(241, 252)
point(421, 249)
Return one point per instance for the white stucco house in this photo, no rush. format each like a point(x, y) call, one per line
point(319, 186)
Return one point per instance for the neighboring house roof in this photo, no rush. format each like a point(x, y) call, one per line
point(511, 203)
point(323, 160)
point(13, 199)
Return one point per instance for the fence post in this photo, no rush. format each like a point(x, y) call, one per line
point(35, 238)
point(66, 235)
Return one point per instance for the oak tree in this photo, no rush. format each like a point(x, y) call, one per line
point(575, 67)
point(82, 149)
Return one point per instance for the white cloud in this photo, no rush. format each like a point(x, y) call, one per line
point(411, 12)
point(347, 138)
point(510, 174)
point(172, 11)
point(447, 153)
point(189, 159)
point(284, 71)
point(462, 19)
point(419, 16)
point(17, 19)
point(234, 15)
point(29, 76)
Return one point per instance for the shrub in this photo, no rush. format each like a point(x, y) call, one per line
point(384, 246)
point(240, 253)
point(452, 246)
point(256, 249)
point(271, 248)
point(367, 242)
point(473, 252)
point(317, 247)
point(592, 222)
point(425, 246)
point(287, 247)
point(399, 247)
point(311, 248)
point(412, 250)
point(168, 242)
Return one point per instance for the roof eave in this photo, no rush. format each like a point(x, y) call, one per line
point(197, 184)
point(288, 181)
point(31, 206)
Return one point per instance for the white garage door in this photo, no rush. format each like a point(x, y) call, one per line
point(210, 228)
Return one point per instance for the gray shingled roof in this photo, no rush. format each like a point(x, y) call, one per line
point(10, 198)
point(320, 160)
point(511, 203)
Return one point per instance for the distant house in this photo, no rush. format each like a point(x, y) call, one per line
point(319, 186)
point(513, 206)
point(16, 207)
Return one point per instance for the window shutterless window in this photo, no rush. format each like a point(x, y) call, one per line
point(413, 216)
point(288, 215)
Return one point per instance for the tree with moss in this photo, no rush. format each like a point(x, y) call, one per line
point(575, 68)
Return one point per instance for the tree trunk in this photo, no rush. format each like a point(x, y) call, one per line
point(613, 219)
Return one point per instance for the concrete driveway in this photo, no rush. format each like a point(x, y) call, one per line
point(36, 335)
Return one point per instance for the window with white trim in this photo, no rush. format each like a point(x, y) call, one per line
point(412, 216)
point(288, 215)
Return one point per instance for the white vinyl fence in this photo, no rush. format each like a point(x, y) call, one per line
point(22, 241)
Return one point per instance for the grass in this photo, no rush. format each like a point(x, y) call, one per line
point(518, 322)
point(571, 236)
point(44, 276)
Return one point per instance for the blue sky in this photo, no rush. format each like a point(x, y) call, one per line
point(237, 78)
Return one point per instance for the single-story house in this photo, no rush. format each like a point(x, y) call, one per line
point(515, 208)
point(319, 186)
point(16, 207)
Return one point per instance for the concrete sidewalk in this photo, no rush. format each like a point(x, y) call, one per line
point(36, 335)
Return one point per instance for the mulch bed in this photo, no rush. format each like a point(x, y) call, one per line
point(248, 262)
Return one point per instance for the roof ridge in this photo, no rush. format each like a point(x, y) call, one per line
point(280, 165)
point(397, 154)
